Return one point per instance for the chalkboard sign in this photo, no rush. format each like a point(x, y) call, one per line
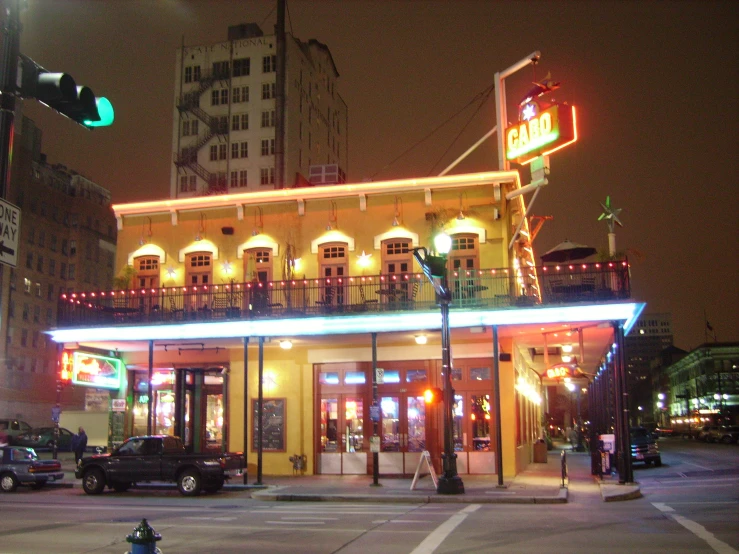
point(273, 425)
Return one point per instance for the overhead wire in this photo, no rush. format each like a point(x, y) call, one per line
point(479, 107)
point(484, 93)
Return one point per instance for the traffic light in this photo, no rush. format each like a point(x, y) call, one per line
point(432, 395)
point(60, 92)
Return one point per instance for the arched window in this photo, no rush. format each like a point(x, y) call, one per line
point(397, 260)
point(333, 267)
point(147, 271)
point(199, 268)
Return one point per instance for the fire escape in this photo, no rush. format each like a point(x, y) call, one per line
point(215, 126)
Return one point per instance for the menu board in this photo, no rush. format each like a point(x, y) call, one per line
point(273, 425)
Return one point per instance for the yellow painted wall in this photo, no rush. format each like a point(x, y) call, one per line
point(286, 375)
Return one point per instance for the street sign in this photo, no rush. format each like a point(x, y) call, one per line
point(374, 412)
point(10, 232)
point(380, 376)
point(56, 411)
point(374, 444)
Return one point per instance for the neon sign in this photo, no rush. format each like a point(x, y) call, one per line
point(541, 134)
point(91, 370)
point(558, 372)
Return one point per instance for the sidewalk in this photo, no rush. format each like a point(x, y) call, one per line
point(538, 484)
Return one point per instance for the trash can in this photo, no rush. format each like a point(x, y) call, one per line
point(540, 452)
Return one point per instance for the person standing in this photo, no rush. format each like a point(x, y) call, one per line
point(79, 445)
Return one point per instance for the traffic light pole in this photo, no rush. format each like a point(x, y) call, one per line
point(449, 482)
point(9, 70)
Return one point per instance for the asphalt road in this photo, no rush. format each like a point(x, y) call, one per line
point(690, 504)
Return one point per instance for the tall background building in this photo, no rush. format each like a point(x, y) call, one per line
point(650, 336)
point(227, 115)
point(67, 242)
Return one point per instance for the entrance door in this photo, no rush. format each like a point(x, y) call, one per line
point(403, 433)
point(334, 269)
point(341, 435)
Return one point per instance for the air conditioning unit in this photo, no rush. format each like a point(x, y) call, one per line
point(329, 174)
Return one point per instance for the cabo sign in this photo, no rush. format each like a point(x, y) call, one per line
point(541, 134)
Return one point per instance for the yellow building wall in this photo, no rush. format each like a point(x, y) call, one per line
point(286, 375)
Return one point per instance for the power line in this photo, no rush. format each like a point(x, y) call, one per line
point(484, 93)
point(479, 107)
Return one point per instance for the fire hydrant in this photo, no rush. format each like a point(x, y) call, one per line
point(144, 539)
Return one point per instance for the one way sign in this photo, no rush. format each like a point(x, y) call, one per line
point(10, 232)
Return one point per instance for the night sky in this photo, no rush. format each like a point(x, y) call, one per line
point(655, 84)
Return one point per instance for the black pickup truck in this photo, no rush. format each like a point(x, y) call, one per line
point(157, 458)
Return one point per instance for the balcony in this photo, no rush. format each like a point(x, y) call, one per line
point(471, 290)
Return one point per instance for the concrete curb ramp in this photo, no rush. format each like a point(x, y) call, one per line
point(618, 493)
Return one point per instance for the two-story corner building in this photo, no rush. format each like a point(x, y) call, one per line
point(298, 295)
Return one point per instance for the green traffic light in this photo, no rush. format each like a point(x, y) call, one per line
point(106, 112)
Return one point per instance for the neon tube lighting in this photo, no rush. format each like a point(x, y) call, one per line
point(337, 325)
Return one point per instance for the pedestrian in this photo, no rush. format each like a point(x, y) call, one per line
point(79, 444)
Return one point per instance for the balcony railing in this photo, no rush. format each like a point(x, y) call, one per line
point(473, 289)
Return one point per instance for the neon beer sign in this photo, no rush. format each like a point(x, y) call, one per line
point(91, 370)
point(541, 134)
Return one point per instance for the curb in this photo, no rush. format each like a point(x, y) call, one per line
point(156, 486)
point(611, 493)
point(561, 498)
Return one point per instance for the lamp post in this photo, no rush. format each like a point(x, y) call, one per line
point(435, 269)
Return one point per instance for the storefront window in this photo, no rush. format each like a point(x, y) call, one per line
point(415, 375)
point(391, 376)
point(480, 416)
point(164, 410)
point(458, 416)
point(328, 378)
point(354, 425)
point(416, 424)
point(354, 378)
point(390, 424)
point(456, 374)
point(329, 424)
point(214, 420)
point(480, 374)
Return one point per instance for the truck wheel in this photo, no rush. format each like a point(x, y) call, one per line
point(658, 462)
point(93, 481)
point(8, 482)
point(189, 483)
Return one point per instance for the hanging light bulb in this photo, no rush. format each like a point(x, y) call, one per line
point(460, 217)
point(201, 229)
point(258, 224)
point(398, 212)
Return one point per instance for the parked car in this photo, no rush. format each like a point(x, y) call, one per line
point(663, 432)
point(21, 466)
point(157, 458)
point(644, 447)
point(704, 432)
point(726, 434)
point(43, 437)
point(13, 427)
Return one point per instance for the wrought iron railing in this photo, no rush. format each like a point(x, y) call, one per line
point(473, 289)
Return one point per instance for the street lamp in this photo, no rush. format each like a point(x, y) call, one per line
point(435, 269)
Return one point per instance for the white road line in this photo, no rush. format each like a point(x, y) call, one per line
point(295, 518)
point(408, 521)
point(697, 529)
point(698, 465)
point(438, 535)
point(211, 518)
point(342, 512)
point(296, 522)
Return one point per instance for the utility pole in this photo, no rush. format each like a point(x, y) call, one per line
point(9, 71)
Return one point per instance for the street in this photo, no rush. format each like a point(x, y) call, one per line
point(690, 504)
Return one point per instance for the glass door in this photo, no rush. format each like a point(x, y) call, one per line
point(403, 433)
point(341, 435)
